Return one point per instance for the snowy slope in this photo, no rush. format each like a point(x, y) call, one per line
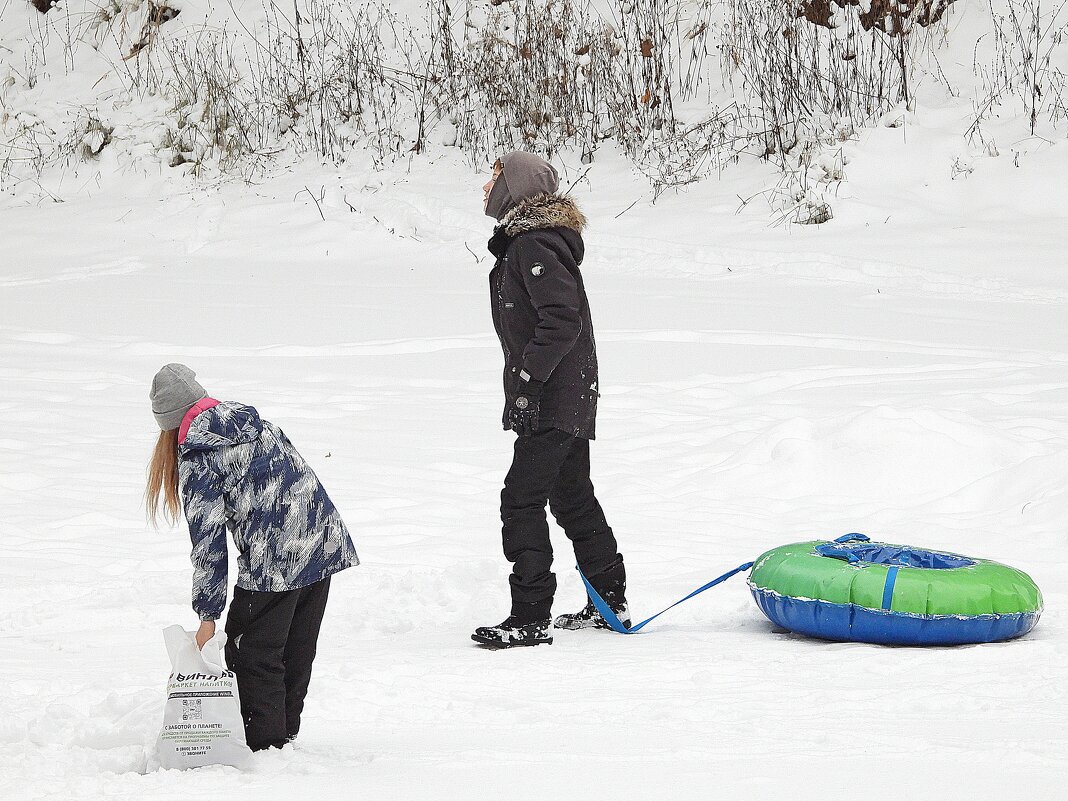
point(761, 386)
point(901, 371)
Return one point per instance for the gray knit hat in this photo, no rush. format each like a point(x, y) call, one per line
point(174, 391)
point(523, 175)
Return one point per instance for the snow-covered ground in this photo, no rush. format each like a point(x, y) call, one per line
point(901, 371)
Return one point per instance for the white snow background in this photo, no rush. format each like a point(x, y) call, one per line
point(901, 371)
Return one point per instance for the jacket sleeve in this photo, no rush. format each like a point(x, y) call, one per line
point(554, 293)
point(205, 513)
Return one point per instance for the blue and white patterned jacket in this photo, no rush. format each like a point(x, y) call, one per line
point(240, 472)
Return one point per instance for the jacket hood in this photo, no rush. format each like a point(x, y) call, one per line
point(523, 176)
point(224, 425)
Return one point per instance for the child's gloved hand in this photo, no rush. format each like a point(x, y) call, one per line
point(525, 407)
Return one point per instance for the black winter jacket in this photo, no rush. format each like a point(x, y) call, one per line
point(541, 313)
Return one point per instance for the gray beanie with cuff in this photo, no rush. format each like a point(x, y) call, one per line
point(174, 392)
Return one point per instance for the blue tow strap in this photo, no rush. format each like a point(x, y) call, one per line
point(617, 625)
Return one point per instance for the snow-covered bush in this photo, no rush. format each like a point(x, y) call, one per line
point(328, 75)
point(552, 74)
point(547, 74)
point(682, 87)
point(814, 67)
point(313, 76)
point(1026, 59)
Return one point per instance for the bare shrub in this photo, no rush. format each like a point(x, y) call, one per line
point(807, 78)
point(157, 14)
point(519, 78)
point(1027, 64)
point(801, 194)
point(545, 74)
point(28, 147)
point(313, 79)
point(324, 74)
point(216, 110)
point(327, 76)
point(695, 151)
point(640, 77)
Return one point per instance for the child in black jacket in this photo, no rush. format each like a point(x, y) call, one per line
point(542, 317)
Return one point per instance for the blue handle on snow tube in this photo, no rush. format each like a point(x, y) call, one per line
point(853, 538)
point(836, 551)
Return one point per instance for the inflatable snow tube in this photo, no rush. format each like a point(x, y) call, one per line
point(856, 590)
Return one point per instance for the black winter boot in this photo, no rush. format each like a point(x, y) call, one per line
point(611, 585)
point(529, 624)
point(590, 618)
point(513, 633)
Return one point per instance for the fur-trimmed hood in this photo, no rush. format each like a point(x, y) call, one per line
point(543, 211)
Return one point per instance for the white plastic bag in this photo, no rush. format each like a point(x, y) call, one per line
point(202, 716)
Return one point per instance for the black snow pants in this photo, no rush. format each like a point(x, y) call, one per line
point(551, 466)
point(270, 646)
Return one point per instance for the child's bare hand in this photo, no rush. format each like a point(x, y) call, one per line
point(205, 632)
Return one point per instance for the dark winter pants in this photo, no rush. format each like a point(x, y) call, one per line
point(551, 466)
point(271, 638)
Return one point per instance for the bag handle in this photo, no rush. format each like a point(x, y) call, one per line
point(182, 650)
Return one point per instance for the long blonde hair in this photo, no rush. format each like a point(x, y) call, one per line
point(162, 489)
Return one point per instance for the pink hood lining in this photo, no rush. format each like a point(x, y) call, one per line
point(201, 405)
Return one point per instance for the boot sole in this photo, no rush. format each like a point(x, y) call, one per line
point(496, 645)
point(583, 627)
